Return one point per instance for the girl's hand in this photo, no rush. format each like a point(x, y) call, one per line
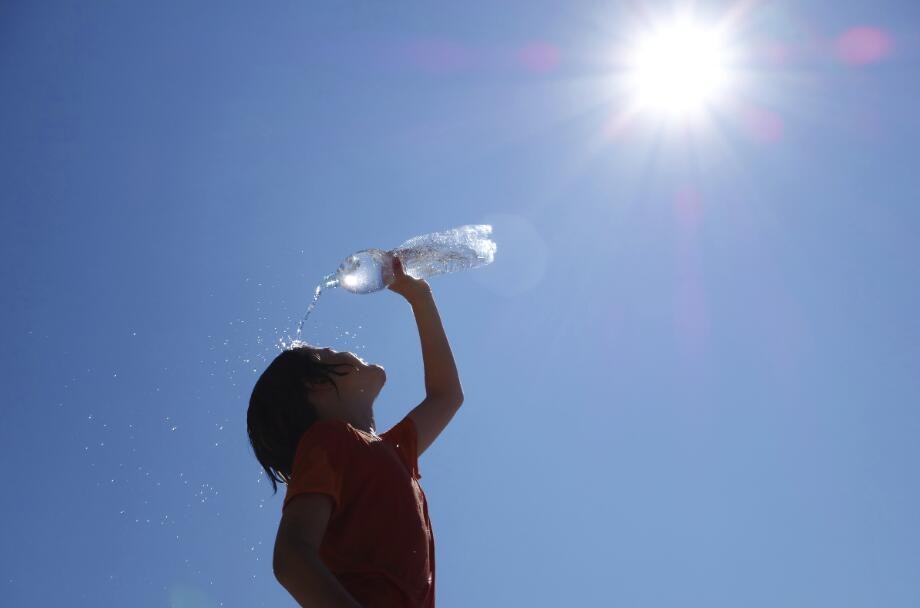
point(406, 286)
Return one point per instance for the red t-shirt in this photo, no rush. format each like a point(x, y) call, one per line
point(378, 542)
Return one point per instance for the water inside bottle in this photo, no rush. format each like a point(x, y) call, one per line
point(449, 251)
point(364, 271)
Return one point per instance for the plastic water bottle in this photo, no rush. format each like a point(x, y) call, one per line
point(424, 256)
point(371, 270)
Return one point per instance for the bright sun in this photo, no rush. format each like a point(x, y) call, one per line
point(678, 69)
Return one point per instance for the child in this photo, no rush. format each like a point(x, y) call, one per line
point(354, 528)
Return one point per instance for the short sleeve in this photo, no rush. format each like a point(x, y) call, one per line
point(319, 462)
point(404, 437)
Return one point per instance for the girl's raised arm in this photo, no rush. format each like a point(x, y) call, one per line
point(444, 393)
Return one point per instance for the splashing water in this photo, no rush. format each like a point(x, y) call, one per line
point(328, 282)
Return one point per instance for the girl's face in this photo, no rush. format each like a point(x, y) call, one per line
point(357, 388)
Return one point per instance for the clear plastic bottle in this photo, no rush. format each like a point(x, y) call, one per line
point(424, 256)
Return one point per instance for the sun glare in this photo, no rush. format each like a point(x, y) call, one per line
point(678, 69)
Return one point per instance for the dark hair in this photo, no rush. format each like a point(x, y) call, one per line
point(279, 412)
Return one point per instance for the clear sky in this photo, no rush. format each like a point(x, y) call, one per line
point(691, 373)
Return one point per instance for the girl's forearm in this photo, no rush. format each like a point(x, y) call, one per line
point(441, 376)
point(311, 583)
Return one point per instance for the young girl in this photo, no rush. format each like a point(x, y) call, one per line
point(354, 528)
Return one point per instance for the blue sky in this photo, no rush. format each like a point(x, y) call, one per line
point(691, 373)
